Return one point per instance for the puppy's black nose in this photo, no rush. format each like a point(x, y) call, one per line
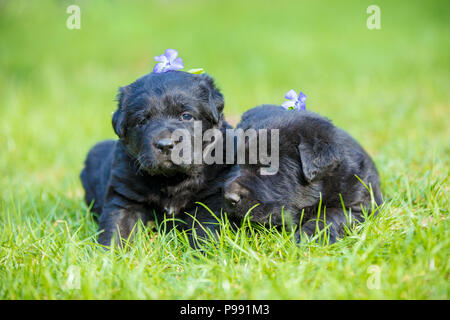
point(164, 145)
point(232, 198)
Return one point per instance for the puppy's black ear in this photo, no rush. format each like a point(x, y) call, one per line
point(118, 119)
point(319, 155)
point(210, 93)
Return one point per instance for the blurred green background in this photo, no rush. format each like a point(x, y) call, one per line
point(386, 87)
point(389, 88)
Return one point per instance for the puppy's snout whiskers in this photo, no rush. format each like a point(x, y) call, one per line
point(138, 164)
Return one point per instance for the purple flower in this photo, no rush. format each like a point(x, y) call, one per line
point(295, 101)
point(168, 61)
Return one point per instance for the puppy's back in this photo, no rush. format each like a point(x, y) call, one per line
point(358, 160)
point(312, 126)
point(96, 172)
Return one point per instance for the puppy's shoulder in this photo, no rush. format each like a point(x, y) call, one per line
point(100, 151)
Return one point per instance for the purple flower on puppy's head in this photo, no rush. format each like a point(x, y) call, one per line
point(168, 61)
point(295, 101)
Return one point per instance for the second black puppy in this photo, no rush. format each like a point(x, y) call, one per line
point(134, 178)
point(318, 163)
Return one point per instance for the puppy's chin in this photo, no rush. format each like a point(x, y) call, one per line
point(259, 213)
point(164, 167)
point(238, 211)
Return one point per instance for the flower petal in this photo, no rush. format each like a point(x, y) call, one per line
point(161, 58)
point(159, 67)
point(177, 64)
point(302, 97)
point(291, 95)
point(300, 105)
point(288, 104)
point(171, 54)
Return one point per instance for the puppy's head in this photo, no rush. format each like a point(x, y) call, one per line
point(307, 156)
point(154, 106)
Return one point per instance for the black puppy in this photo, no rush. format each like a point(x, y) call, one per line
point(318, 163)
point(134, 178)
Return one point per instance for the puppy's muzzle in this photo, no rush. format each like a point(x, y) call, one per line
point(165, 145)
point(233, 194)
point(232, 199)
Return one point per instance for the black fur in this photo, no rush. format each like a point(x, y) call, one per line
point(130, 179)
point(317, 160)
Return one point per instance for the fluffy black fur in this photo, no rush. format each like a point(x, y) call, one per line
point(317, 160)
point(133, 178)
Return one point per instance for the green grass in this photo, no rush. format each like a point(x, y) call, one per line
point(388, 88)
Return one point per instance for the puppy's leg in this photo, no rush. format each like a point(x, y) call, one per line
point(119, 223)
point(335, 221)
point(201, 225)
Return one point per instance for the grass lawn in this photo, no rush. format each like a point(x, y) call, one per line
point(389, 88)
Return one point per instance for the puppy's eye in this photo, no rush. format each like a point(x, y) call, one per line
point(141, 122)
point(186, 116)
